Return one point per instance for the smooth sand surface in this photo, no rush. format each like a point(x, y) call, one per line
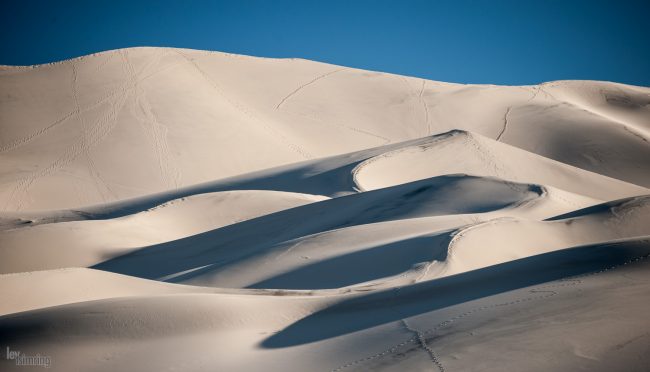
point(180, 210)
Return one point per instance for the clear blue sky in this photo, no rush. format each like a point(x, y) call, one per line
point(500, 42)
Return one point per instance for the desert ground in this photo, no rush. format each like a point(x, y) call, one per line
point(180, 210)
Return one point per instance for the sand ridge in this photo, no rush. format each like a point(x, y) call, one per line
point(176, 209)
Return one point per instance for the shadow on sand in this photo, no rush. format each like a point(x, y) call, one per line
point(366, 311)
point(208, 252)
point(373, 263)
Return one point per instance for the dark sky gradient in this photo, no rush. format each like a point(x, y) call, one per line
point(499, 42)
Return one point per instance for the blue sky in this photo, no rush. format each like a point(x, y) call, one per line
point(499, 42)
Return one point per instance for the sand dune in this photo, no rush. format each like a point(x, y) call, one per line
point(136, 121)
point(173, 209)
point(86, 242)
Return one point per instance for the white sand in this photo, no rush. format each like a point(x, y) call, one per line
point(169, 209)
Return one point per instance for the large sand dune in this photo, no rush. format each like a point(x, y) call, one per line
point(170, 209)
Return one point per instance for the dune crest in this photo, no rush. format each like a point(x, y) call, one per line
point(254, 213)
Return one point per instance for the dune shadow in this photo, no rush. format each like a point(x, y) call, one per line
point(215, 249)
point(365, 265)
point(366, 311)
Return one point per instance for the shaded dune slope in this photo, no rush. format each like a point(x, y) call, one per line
point(251, 213)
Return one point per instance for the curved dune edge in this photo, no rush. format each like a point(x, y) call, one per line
point(168, 208)
point(535, 284)
point(83, 243)
point(155, 119)
point(481, 157)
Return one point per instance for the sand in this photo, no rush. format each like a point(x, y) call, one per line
point(174, 209)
